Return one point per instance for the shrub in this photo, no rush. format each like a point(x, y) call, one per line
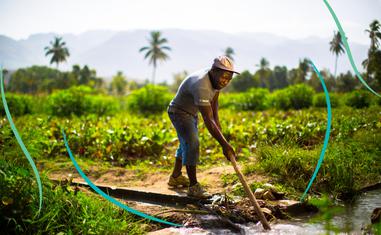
point(102, 105)
point(18, 104)
point(79, 101)
point(64, 210)
point(149, 99)
point(319, 100)
point(254, 99)
point(359, 99)
point(280, 100)
point(229, 100)
point(300, 96)
point(67, 102)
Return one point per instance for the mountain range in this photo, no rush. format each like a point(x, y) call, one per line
point(111, 51)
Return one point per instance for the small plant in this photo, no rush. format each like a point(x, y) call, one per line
point(229, 179)
point(327, 211)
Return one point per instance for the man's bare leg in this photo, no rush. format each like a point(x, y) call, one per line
point(191, 171)
point(177, 169)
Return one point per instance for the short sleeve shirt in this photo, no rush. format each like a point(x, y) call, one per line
point(196, 90)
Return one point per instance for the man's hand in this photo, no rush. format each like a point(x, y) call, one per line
point(210, 123)
point(228, 151)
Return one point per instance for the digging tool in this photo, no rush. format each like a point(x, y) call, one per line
point(250, 194)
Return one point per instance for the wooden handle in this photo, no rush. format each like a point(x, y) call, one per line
point(252, 198)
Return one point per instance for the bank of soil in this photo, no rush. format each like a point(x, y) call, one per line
point(190, 215)
point(155, 181)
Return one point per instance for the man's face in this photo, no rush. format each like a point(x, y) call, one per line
point(223, 78)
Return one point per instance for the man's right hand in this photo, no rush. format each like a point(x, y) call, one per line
point(228, 151)
point(210, 123)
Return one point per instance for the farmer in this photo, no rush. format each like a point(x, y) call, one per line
point(198, 92)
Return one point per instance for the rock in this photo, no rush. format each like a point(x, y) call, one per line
point(376, 216)
point(266, 210)
point(179, 231)
point(278, 195)
point(268, 196)
point(259, 193)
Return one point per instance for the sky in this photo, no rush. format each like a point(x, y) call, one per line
point(294, 19)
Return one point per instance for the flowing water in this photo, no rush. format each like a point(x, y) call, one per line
point(350, 220)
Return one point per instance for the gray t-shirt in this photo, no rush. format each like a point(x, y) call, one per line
point(196, 90)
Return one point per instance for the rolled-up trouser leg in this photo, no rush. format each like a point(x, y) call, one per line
point(187, 132)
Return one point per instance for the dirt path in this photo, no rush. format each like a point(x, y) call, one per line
point(153, 182)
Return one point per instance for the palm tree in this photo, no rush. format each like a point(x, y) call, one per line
point(263, 64)
point(229, 52)
point(263, 71)
point(336, 47)
point(155, 51)
point(374, 35)
point(58, 50)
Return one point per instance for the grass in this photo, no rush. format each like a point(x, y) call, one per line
point(64, 211)
point(347, 167)
point(284, 145)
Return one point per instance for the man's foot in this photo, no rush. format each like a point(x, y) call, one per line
point(180, 181)
point(198, 192)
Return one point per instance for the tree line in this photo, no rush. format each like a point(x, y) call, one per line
point(37, 79)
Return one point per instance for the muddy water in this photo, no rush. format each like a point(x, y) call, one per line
point(350, 221)
point(353, 217)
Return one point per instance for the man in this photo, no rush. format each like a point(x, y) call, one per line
point(198, 92)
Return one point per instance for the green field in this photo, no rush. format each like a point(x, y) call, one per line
point(281, 144)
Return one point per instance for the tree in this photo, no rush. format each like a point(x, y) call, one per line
point(155, 51)
point(244, 81)
point(299, 74)
point(374, 34)
point(229, 52)
point(372, 63)
point(58, 50)
point(178, 78)
point(118, 84)
point(278, 78)
point(346, 82)
point(264, 72)
point(336, 47)
point(315, 83)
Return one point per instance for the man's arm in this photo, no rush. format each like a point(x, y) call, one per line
point(215, 110)
point(211, 125)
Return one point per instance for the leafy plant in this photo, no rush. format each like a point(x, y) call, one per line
point(359, 99)
point(149, 99)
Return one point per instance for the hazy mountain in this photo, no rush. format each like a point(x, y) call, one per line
point(111, 51)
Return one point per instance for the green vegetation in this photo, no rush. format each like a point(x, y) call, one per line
point(79, 101)
point(359, 99)
point(65, 210)
point(287, 144)
point(275, 118)
point(149, 99)
point(327, 210)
